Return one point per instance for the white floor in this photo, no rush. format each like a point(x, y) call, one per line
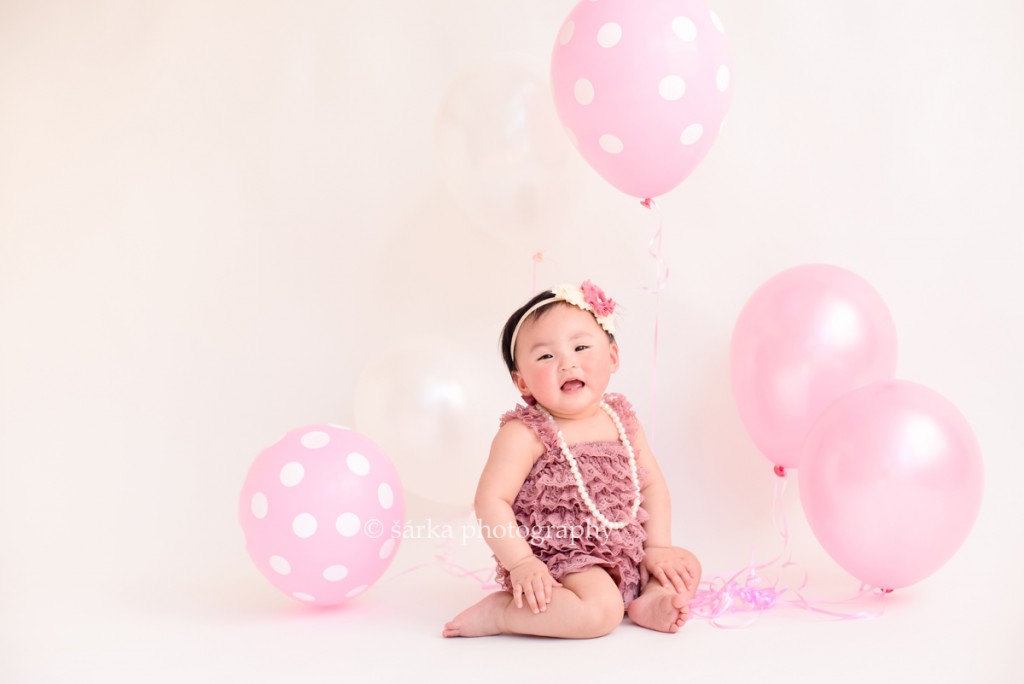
point(222, 622)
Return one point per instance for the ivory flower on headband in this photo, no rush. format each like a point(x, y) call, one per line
point(588, 297)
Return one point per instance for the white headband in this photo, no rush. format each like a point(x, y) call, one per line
point(587, 296)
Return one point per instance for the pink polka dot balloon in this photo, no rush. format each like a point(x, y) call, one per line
point(318, 509)
point(642, 88)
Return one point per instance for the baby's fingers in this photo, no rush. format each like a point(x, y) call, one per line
point(517, 595)
point(549, 584)
point(659, 574)
point(677, 582)
point(531, 596)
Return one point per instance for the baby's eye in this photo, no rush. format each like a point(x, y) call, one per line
point(582, 347)
point(544, 357)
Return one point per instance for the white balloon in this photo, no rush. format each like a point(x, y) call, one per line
point(426, 402)
point(503, 154)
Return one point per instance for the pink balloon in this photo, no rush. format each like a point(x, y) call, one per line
point(891, 482)
point(642, 87)
point(319, 509)
point(806, 337)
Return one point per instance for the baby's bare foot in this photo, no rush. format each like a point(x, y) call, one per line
point(480, 619)
point(665, 611)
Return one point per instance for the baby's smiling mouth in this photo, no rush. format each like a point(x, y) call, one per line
point(572, 385)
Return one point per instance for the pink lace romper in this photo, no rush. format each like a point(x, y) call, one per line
point(556, 521)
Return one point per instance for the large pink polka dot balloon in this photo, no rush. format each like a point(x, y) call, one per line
point(318, 509)
point(642, 88)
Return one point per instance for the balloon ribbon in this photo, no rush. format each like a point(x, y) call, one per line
point(654, 248)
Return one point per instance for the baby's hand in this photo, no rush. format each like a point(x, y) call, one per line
point(530, 578)
point(673, 567)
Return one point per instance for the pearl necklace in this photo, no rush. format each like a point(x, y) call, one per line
point(601, 517)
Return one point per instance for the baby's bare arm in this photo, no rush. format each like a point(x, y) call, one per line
point(657, 501)
point(513, 452)
point(670, 565)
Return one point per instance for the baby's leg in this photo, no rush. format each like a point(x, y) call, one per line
point(662, 608)
point(588, 604)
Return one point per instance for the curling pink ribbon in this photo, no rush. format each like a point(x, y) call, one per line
point(443, 555)
point(654, 249)
point(660, 281)
point(749, 592)
point(482, 576)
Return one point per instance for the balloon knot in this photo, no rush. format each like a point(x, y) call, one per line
point(780, 471)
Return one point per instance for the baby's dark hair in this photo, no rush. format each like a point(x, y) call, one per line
point(514, 320)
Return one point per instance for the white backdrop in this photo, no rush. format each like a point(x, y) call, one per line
point(213, 215)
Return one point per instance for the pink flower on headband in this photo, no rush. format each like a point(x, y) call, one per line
point(588, 297)
point(602, 304)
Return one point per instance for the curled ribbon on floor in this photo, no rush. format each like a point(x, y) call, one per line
point(444, 555)
point(482, 576)
point(749, 591)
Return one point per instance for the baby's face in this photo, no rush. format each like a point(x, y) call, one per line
point(564, 360)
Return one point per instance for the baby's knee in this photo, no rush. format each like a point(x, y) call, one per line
point(604, 616)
